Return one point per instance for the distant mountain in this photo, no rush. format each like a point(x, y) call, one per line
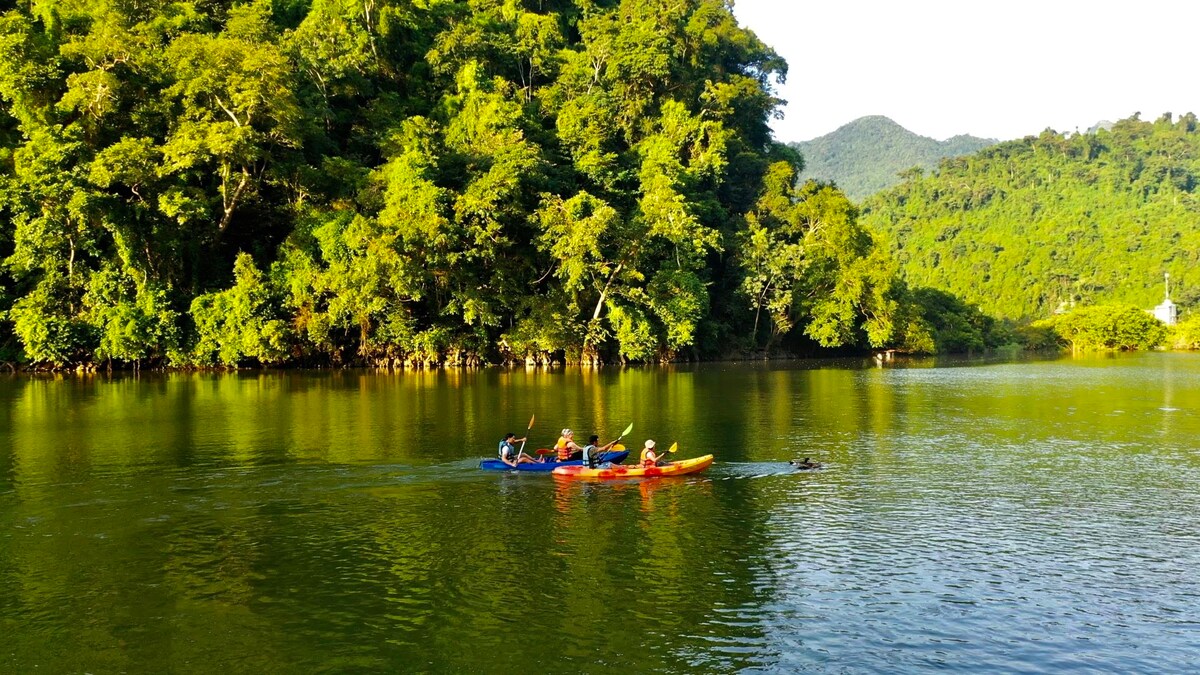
point(866, 155)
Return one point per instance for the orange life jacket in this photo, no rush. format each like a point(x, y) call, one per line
point(646, 461)
point(563, 446)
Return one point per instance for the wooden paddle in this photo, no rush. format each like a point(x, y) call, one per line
point(527, 430)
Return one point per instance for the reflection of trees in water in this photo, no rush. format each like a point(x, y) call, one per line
point(255, 519)
point(133, 574)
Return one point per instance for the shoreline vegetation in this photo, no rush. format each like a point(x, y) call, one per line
point(320, 184)
point(1051, 344)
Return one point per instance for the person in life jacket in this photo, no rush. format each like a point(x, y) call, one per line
point(593, 450)
point(508, 454)
point(649, 456)
point(566, 446)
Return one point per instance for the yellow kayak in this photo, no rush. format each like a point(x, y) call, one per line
point(679, 468)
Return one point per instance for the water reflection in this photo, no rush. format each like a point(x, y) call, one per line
point(989, 517)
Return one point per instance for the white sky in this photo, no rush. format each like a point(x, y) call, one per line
point(993, 69)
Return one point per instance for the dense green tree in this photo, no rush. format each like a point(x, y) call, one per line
point(938, 322)
point(241, 322)
point(389, 182)
point(807, 260)
point(1119, 327)
point(1027, 227)
point(1186, 334)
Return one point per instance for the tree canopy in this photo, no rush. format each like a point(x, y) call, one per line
point(389, 181)
point(1114, 327)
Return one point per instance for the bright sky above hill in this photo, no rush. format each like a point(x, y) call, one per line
point(992, 69)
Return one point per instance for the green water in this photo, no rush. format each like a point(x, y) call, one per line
point(985, 517)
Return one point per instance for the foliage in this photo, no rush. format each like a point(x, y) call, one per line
point(394, 182)
point(1040, 336)
point(1117, 327)
point(938, 322)
point(1186, 333)
point(240, 323)
point(870, 154)
point(133, 323)
point(806, 258)
point(1024, 228)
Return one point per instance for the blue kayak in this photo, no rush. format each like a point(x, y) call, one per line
point(616, 457)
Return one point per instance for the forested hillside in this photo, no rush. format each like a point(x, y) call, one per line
point(1027, 226)
point(868, 154)
point(387, 182)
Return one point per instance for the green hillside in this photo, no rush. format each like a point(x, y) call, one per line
point(868, 154)
point(1025, 226)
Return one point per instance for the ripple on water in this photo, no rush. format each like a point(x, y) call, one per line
point(955, 526)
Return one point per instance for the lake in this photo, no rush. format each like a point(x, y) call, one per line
point(984, 516)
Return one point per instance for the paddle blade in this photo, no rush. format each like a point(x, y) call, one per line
point(627, 429)
point(674, 447)
point(531, 418)
point(545, 451)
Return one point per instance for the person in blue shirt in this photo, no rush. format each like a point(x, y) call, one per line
point(508, 453)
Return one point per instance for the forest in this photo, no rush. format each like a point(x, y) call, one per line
point(403, 183)
point(1031, 227)
point(394, 183)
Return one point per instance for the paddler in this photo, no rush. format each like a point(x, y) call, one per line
point(508, 453)
point(649, 456)
point(593, 450)
point(566, 446)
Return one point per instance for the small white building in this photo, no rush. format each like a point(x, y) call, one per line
point(1167, 312)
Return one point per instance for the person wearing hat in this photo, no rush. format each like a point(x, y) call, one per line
point(566, 445)
point(649, 456)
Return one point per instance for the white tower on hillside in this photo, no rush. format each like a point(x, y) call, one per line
point(1167, 312)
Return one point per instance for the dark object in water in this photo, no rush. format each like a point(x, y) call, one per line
point(805, 464)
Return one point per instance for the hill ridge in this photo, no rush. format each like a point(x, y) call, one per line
point(867, 154)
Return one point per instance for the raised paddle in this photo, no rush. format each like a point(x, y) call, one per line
point(624, 433)
point(527, 430)
point(615, 444)
point(671, 450)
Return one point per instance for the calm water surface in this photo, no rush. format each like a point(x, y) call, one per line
point(987, 517)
